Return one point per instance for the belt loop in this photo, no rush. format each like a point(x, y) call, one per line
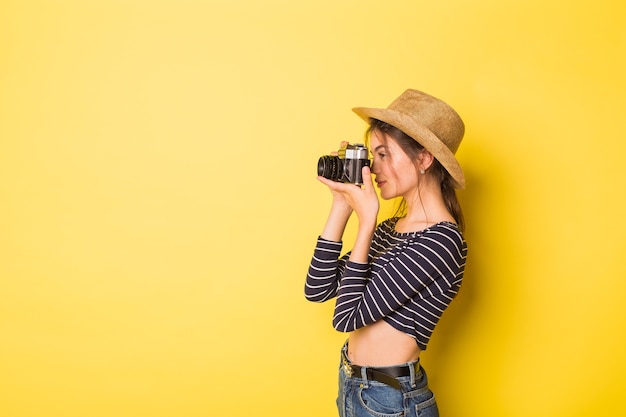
point(364, 376)
point(412, 374)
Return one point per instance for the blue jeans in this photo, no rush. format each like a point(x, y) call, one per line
point(360, 397)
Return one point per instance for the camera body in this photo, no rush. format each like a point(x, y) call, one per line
point(346, 166)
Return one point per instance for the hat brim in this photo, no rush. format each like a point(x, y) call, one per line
point(421, 134)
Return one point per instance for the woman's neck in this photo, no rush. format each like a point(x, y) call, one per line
point(424, 208)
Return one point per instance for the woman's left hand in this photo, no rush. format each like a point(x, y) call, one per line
point(362, 199)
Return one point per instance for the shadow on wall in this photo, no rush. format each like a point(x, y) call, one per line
point(477, 323)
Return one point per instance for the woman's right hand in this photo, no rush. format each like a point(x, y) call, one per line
point(339, 201)
point(340, 209)
point(362, 199)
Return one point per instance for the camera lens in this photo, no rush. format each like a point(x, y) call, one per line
point(330, 167)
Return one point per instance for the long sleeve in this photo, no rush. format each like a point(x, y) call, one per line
point(325, 271)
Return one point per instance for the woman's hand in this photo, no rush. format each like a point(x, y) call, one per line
point(339, 202)
point(362, 199)
point(349, 197)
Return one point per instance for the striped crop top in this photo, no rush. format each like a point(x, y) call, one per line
point(409, 281)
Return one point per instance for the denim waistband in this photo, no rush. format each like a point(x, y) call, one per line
point(410, 372)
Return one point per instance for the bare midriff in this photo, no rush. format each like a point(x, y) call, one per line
point(379, 344)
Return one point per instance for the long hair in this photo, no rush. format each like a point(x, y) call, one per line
point(412, 148)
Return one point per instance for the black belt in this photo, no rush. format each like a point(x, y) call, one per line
point(386, 375)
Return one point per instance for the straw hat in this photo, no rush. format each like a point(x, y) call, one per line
point(431, 122)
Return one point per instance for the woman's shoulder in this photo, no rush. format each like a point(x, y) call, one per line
point(445, 228)
point(442, 227)
point(445, 235)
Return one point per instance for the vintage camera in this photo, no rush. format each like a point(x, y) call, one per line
point(346, 166)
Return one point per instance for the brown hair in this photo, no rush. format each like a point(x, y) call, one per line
point(412, 148)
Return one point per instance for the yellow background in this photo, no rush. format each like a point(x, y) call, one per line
point(158, 201)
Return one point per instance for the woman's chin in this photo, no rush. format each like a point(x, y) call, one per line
point(387, 196)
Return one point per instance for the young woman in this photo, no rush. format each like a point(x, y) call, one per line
point(393, 286)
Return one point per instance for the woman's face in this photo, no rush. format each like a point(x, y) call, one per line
point(396, 173)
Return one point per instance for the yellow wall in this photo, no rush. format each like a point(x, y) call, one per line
point(158, 202)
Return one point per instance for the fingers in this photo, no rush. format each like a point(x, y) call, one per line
point(342, 145)
point(335, 185)
point(366, 174)
point(326, 181)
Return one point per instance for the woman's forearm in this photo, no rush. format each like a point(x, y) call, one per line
point(336, 222)
point(360, 251)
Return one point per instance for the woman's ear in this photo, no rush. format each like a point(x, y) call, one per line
point(425, 160)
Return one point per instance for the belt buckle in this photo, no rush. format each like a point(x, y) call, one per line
point(347, 368)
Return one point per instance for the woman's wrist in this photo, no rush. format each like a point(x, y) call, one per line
point(361, 249)
point(336, 222)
